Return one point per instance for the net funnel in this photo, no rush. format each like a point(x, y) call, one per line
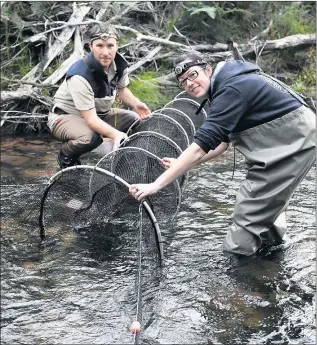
point(184, 94)
point(182, 119)
point(189, 107)
point(158, 144)
point(165, 125)
point(72, 201)
point(136, 165)
point(147, 282)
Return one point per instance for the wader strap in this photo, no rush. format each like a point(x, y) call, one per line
point(201, 106)
point(301, 98)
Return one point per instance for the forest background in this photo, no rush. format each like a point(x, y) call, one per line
point(41, 40)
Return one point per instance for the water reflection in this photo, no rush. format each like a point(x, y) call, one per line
point(80, 287)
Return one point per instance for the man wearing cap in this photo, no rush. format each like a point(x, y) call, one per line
point(82, 112)
point(268, 123)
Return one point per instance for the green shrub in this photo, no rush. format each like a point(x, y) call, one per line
point(148, 91)
point(293, 19)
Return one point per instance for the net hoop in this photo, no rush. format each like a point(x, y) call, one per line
point(55, 178)
point(173, 121)
point(182, 114)
point(184, 94)
point(192, 116)
point(154, 157)
point(167, 118)
point(183, 182)
point(160, 135)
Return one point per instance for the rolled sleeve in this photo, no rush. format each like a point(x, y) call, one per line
point(226, 110)
point(202, 144)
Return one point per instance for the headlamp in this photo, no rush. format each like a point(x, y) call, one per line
point(104, 37)
point(182, 67)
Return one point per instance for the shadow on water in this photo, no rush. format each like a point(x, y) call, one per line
point(80, 286)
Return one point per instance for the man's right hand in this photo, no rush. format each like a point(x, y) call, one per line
point(118, 139)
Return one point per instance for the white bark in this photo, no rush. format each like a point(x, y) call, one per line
point(60, 43)
point(76, 55)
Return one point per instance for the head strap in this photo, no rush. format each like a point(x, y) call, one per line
point(103, 36)
point(182, 67)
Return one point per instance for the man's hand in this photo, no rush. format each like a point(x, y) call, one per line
point(142, 110)
point(130, 100)
point(167, 162)
point(118, 139)
point(140, 191)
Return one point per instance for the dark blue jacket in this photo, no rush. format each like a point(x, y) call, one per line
point(90, 69)
point(240, 99)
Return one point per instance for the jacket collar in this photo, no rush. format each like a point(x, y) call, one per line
point(95, 65)
point(213, 78)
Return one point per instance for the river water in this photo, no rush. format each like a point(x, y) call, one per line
point(81, 292)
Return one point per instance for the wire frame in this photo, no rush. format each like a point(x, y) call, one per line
point(154, 142)
point(72, 200)
point(159, 145)
point(162, 124)
point(182, 119)
point(184, 94)
point(104, 208)
point(189, 107)
point(136, 165)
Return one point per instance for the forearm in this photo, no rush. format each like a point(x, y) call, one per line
point(188, 159)
point(127, 97)
point(214, 153)
point(98, 125)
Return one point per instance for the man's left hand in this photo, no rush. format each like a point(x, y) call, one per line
point(142, 110)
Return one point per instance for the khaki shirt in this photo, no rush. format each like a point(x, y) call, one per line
point(76, 94)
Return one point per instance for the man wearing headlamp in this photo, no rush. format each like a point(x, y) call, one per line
point(268, 124)
point(83, 113)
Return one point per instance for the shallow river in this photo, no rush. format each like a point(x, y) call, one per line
point(81, 292)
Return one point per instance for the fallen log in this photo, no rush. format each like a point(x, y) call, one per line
point(8, 96)
point(280, 44)
point(289, 41)
point(245, 49)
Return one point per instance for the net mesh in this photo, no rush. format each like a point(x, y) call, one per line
point(165, 125)
point(136, 165)
point(189, 107)
point(182, 119)
point(154, 142)
point(157, 144)
point(73, 201)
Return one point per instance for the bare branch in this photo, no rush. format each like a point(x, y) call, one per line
point(76, 55)
point(147, 58)
point(140, 36)
point(29, 83)
point(58, 46)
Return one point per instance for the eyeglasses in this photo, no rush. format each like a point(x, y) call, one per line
point(191, 76)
